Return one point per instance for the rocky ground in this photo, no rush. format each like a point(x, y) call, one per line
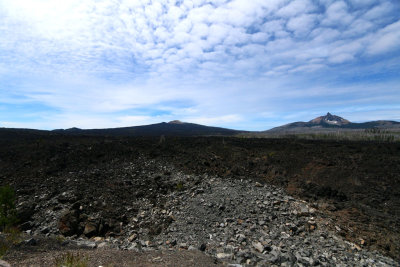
point(220, 201)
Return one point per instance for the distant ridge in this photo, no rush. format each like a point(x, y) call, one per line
point(330, 121)
point(172, 128)
point(326, 123)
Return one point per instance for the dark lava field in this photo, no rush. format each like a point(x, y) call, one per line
point(135, 190)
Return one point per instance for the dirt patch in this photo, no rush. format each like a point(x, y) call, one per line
point(118, 258)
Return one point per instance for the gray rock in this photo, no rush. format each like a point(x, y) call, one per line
point(224, 255)
point(4, 264)
point(31, 242)
point(90, 229)
point(133, 246)
point(86, 244)
point(102, 245)
point(132, 237)
point(258, 246)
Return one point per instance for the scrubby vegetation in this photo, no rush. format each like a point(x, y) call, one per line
point(376, 135)
point(10, 237)
point(8, 218)
point(71, 260)
point(8, 212)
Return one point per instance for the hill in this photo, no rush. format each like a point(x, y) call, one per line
point(172, 128)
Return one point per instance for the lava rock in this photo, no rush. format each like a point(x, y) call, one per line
point(69, 223)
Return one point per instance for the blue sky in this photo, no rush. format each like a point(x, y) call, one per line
point(240, 64)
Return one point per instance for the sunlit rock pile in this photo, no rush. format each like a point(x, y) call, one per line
point(145, 205)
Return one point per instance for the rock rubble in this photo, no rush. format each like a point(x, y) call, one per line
point(237, 221)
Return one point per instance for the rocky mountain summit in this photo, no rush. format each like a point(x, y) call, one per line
point(330, 119)
point(176, 122)
point(333, 122)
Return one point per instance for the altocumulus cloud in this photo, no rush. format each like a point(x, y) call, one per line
point(239, 63)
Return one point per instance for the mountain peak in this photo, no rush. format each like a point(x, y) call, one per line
point(330, 119)
point(176, 122)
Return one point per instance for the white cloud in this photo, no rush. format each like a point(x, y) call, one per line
point(337, 14)
point(385, 43)
point(260, 37)
point(387, 39)
point(219, 120)
point(359, 27)
point(379, 11)
point(348, 48)
point(200, 30)
point(340, 58)
point(129, 54)
point(217, 33)
point(163, 38)
point(302, 24)
point(323, 36)
point(307, 68)
point(296, 7)
point(273, 26)
point(85, 36)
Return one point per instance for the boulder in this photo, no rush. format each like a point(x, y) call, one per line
point(90, 229)
point(68, 223)
point(4, 264)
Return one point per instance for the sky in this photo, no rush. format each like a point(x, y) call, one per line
point(241, 64)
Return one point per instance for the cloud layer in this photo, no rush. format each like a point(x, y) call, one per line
point(231, 61)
